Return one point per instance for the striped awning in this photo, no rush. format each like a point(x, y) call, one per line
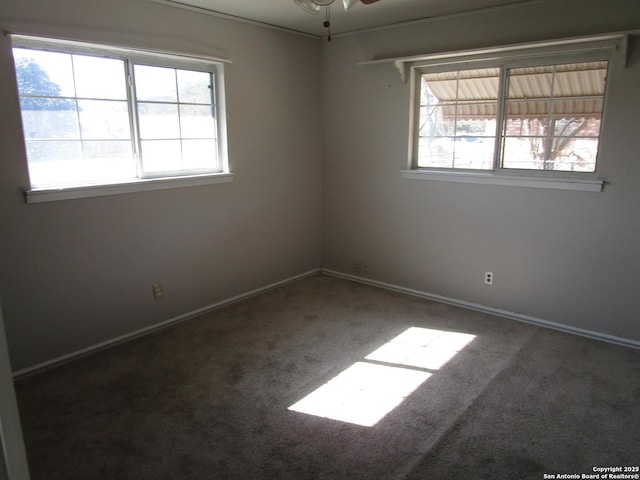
point(572, 90)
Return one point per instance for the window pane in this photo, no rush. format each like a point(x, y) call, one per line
point(43, 73)
point(531, 82)
point(566, 154)
point(437, 121)
point(436, 152)
point(525, 126)
point(576, 127)
point(476, 126)
point(576, 155)
point(49, 118)
point(67, 163)
point(474, 153)
point(585, 107)
point(476, 85)
point(98, 77)
point(196, 121)
point(525, 153)
point(50, 161)
point(104, 119)
point(75, 163)
point(194, 87)
point(108, 160)
point(580, 79)
point(533, 110)
point(437, 86)
point(573, 153)
point(158, 120)
point(199, 154)
point(426, 95)
point(157, 84)
point(117, 149)
point(161, 155)
point(53, 151)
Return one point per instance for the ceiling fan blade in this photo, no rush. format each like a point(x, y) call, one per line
point(347, 4)
point(308, 6)
point(367, 2)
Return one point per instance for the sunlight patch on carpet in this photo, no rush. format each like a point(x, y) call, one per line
point(367, 391)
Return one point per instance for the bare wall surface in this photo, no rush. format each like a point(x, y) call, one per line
point(79, 272)
point(567, 257)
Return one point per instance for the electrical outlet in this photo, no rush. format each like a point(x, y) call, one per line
point(360, 267)
point(488, 278)
point(158, 291)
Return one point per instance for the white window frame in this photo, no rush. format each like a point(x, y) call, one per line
point(149, 181)
point(549, 53)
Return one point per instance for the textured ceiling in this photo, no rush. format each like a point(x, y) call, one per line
point(285, 14)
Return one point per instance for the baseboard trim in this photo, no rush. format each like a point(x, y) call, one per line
point(625, 342)
point(387, 286)
point(159, 326)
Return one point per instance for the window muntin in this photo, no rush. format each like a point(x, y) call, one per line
point(100, 119)
point(547, 118)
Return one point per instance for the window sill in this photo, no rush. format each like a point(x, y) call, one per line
point(134, 186)
point(585, 185)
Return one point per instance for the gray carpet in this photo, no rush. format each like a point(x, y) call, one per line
point(209, 398)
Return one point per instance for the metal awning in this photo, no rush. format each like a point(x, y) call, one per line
point(534, 92)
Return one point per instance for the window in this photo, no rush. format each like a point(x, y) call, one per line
point(523, 113)
point(94, 115)
point(458, 112)
point(552, 117)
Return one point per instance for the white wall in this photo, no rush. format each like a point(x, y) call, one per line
point(567, 257)
point(79, 272)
